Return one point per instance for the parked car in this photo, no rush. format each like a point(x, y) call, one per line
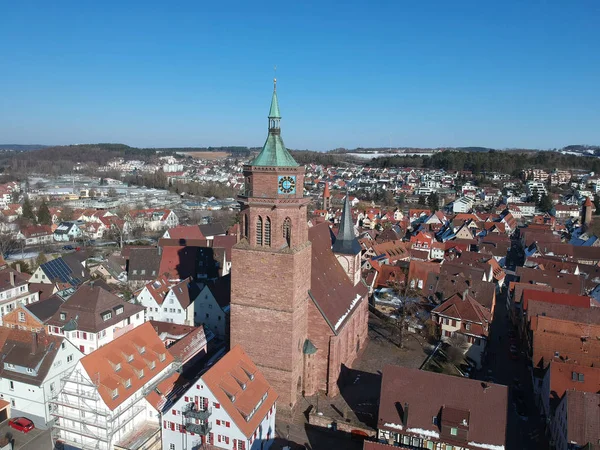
point(21, 424)
point(67, 247)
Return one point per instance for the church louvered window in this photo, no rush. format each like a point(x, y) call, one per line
point(268, 232)
point(259, 231)
point(245, 225)
point(287, 230)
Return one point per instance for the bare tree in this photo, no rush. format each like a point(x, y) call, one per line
point(458, 346)
point(407, 309)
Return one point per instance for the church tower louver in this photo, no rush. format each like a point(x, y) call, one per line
point(271, 265)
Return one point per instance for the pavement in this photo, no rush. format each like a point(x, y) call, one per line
point(36, 439)
point(523, 433)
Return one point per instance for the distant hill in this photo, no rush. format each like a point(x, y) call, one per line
point(22, 148)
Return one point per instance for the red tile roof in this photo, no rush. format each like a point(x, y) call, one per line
point(240, 388)
point(185, 232)
point(577, 301)
point(562, 378)
point(146, 348)
point(482, 406)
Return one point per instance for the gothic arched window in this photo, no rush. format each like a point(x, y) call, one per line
point(287, 230)
point(259, 231)
point(245, 226)
point(268, 232)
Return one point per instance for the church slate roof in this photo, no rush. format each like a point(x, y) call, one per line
point(330, 288)
point(346, 242)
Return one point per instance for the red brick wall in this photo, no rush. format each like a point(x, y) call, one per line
point(269, 294)
point(343, 346)
point(323, 368)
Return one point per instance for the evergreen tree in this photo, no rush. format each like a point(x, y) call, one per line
point(545, 204)
point(44, 217)
point(28, 213)
point(433, 201)
point(597, 203)
point(535, 196)
point(422, 200)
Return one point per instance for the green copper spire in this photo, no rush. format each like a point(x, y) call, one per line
point(274, 153)
point(274, 111)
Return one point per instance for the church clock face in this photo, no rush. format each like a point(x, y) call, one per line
point(286, 184)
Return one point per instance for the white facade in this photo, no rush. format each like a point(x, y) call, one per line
point(208, 312)
point(170, 310)
point(87, 342)
point(31, 400)
point(16, 295)
point(211, 424)
point(84, 420)
point(462, 205)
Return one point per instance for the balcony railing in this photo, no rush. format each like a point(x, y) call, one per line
point(201, 429)
point(194, 413)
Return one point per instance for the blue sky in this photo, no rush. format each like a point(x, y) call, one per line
point(371, 73)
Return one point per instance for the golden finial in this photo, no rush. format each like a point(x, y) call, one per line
point(275, 79)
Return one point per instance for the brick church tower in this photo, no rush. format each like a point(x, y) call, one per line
point(271, 266)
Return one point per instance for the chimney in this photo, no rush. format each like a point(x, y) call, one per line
point(405, 415)
point(12, 278)
point(18, 267)
point(34, 342)
point(465, 294)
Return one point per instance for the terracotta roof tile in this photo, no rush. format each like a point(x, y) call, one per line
point(241, 389)
point(429, 395)
point(100, 364)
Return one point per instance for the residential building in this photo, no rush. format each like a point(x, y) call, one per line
point(462, 205)
point(67, 231)
point(67, 271)
point(576, 423)
point(14, 290)
point(211, 308)
point(33, 316)
point(93, 317)
point(102, 403)
point(462, 315)
point(563, 376)
point(231, 405)
point(36, 235)
point(32, 366)
point(168, 301)
point(427, 410)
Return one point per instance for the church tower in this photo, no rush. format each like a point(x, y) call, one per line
point(586, 212)
point(346, 247)
point(271, 265)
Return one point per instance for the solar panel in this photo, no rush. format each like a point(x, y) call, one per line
point(58, 269)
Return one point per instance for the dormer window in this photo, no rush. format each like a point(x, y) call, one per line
point(162, 357)
point(128, 383)
point(119, 310)
point(115, 393)
point(106, 316)
point(142, 350)
point(117, 367)
point(129, 358)
point(141, 373)
point(63, 316)
point(152, 365)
